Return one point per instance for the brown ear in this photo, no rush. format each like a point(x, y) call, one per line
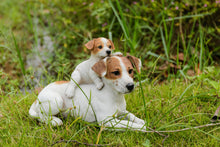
point(90, 45)
point(112, 44)
point(99, 68)
point(135, 62)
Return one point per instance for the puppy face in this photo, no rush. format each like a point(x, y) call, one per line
point(118, 72)
point(100, 47)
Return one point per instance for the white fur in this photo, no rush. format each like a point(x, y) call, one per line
point(103, 106)
point(83, 74)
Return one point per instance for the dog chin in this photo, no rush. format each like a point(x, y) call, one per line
point(106, 55)
point(126, 92)
point(103, 56)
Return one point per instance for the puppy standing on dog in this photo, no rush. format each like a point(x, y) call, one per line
point(103, 106)
point(83, 74)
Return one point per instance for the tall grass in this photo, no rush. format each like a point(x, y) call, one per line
point(20, 58)
point(164, 113)
point(167, 33)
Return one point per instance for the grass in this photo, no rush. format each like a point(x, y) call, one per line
point(156, 31)
point(170, 106)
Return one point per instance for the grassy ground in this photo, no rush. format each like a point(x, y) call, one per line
point(174, 39)
point(170, 106)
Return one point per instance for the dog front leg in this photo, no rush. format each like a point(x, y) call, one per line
point(133, 118)
point(75, 78)
point(117, 54)
point(118, 124)
point(96, 80)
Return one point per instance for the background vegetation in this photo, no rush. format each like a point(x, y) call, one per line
point(178, 42)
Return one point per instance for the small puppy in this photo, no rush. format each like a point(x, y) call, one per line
point(83, 74)
point(106, 106)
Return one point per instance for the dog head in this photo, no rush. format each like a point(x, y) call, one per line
point(118, 72)
point(100, 47)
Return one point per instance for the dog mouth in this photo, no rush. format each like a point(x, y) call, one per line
point(129, 91)
point(123, 89)
point(126, 92)
point(107, 55)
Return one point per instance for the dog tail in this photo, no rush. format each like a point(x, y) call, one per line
point(32, 111)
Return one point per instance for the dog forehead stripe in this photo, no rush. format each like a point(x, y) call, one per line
point(104, 40)
point(127, 63)
point(113, 64)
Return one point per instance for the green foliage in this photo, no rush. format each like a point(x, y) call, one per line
point(146, 29)
point(147, 143)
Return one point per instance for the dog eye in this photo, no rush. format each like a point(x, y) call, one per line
point(117, 73)
point(110, 46)
point(100, 47)
point(130, 71)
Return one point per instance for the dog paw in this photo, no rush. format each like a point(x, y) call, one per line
point(56, 121)
point(70, 91)
point(140, 121)
point(100, 85)
point(117, 54)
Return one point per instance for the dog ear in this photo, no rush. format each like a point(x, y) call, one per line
point(112, 44)
point(100, 68)
point(90, 45)
point(135, 62)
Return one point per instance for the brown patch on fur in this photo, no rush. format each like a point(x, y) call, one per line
point(128, 66)
point(89, 45)
point(135, 62)
point(113, 65)
point(99, 68)
point(61, 82)
point(97, 42)
point(110, 43)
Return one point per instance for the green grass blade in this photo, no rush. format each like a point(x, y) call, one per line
point(110, 28)
point(122, 23)
point(185, 92)
point(122, 17)
point(170, 36)
point(143, 98)
point(188, 16)
point(201, 57)
point(3, 46)
point(119, 19)
point(164, 43)
point(158, 56)
point(20, 59)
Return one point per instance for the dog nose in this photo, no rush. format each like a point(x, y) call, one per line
point(108, 52)
point(130, 86)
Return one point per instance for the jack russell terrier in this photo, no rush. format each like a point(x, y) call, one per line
point(83, 74)
point(106, 106)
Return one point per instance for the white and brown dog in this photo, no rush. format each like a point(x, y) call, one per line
point(83, 74)
point(104, 106)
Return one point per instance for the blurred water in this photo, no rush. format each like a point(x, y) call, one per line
point(38, 60)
